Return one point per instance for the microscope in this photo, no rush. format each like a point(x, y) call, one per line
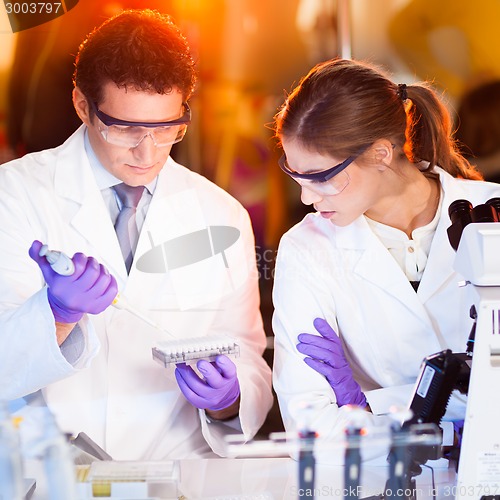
point(475, 236)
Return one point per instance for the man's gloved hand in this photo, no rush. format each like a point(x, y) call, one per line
point(327, 357)
point(90, 289)
point(216, 391)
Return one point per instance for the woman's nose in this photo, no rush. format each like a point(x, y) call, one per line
point(309, 196)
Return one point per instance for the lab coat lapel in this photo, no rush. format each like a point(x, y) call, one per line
point(76, 185)
point(165, 218)
point(377, 266)
point(178, 210)
point(438, 269)
point(175, 210)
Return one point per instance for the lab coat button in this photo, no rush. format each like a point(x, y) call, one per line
point(411, 249)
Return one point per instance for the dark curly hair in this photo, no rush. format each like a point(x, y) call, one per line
point(142, 49)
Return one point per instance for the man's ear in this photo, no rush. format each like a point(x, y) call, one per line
point(384, 152)
point(81, 106)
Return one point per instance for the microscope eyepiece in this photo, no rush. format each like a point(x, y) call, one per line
point(460, 210)
point(461, 214)
point(484, 213)
point(495, 203)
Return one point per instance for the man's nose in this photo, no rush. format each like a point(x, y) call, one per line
point(146, 148)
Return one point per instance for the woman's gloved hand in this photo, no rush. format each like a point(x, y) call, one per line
point(458, 429)
point(326, 356)
point(90, 289)
point(219, 387)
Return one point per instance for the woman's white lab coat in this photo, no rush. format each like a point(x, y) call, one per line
point(113, 390)
point(346, 275)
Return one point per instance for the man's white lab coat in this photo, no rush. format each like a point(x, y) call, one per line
point(348, 277)
point(126, 402)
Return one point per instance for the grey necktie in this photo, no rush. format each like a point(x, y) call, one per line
point(125, 225)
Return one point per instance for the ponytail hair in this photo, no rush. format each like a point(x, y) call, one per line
point(341, 107)
point(429, 133)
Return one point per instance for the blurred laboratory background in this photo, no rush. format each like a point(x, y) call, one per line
point(250, 53)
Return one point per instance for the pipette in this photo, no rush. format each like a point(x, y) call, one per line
point(63, 265)
point(167, 353)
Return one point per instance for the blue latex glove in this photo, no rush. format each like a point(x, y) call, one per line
point(219, 387)
point(90, 289)
point(327, 357)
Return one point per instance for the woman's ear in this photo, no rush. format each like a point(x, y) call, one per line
point(81, 106)
point(383, 153)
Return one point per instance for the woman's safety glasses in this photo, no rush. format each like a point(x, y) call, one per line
point(327, 182)
point(130, 134)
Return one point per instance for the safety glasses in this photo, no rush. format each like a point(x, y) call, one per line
point(331, 181)
point(131, 134)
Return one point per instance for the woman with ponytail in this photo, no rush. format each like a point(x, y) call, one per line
point(365, 287)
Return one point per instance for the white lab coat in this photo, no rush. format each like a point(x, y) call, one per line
point(126, 402)
point(347, 276)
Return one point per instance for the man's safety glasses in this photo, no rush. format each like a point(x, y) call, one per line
point(331, 181)
point(130, 134)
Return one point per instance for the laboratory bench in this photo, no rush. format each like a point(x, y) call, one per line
point(276, 478)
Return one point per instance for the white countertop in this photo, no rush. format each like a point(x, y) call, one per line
point(275, 478)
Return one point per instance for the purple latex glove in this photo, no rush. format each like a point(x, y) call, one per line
point(327, 357)
point(458, 428)
point(90, 289)
point(216, 391)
